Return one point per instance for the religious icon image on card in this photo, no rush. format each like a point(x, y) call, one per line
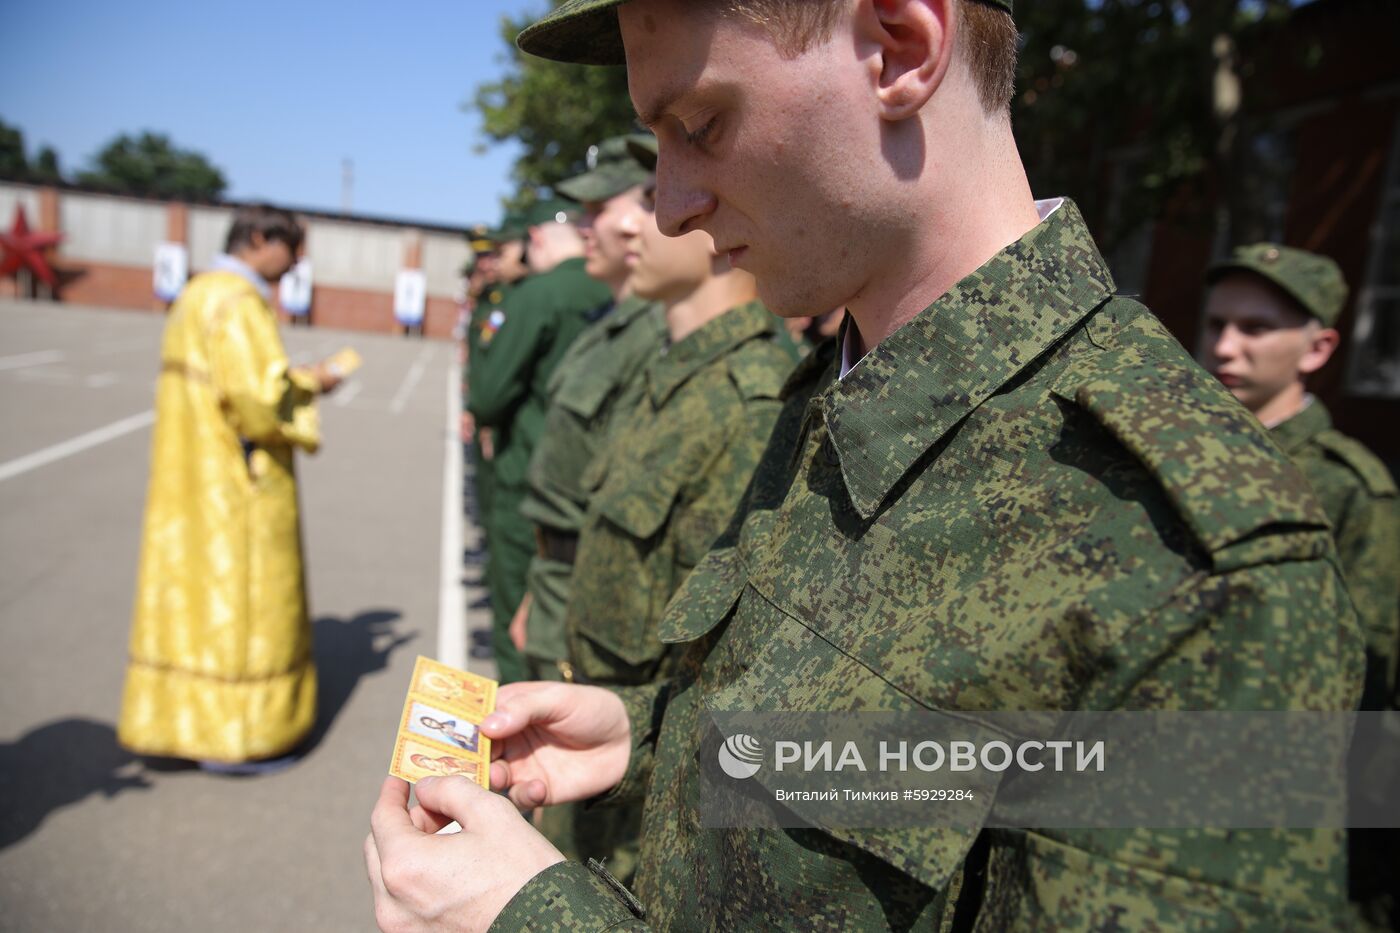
point(414, 760)
point(475, 694)
point(433, 723)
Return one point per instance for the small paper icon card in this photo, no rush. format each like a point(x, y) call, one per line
point(439, 730)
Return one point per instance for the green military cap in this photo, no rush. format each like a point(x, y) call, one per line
point(585, 32)
point(513, 227)
point(611, 171)
point(1313, 281)
point(643, 151)
point(550, 210)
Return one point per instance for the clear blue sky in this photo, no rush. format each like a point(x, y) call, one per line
point(275, 94)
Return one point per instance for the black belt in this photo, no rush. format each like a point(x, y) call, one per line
point(561, 546)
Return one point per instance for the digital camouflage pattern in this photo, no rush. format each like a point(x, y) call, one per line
point(598, 377)
point(669, 479)
point(585, 32)
point(1027, 498)
point(507, 392)
point(1314, 282)
point(1360, 498)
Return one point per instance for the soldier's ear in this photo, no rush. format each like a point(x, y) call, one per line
point(1321, 346)
point(911, 46)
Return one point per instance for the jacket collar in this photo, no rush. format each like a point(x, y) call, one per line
point(1291, 435)
point(906, 393)
point(705, 345)
point(627, 311)
point(223, 262)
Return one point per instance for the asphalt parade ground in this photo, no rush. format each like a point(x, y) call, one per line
point(94, 839)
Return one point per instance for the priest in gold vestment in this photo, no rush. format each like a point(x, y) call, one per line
point(220, 668)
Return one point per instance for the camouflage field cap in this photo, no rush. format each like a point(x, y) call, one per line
point(1313, 281)
point(643, 152)
point(550, 210)
point(513, 227)
point(585, 32)
point(611, 171)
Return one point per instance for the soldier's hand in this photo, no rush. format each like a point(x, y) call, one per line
point(486, 444)
point(467, 427)
point(456, 881)
point(518, 623)
point(556, 743)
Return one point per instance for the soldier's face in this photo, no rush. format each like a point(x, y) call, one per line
point(666, 268)
point(777, 158)
point(609, 229)
point(1256, 342)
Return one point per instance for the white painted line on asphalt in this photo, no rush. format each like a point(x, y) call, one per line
point(346, 393)
point(452, 597)
point(75, 445)
point(101, 380)
point(411, 380)
point(37, 358)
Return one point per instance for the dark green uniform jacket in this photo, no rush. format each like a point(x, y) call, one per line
point(509, 375)
point(598, 377)
point(507, 392)
point(1360, 498)
point(1027, 498)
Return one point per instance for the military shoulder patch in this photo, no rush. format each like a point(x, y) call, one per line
point(1217, 466)
point(1361, 461)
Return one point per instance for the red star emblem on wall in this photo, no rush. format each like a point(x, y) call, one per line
point(25, 250)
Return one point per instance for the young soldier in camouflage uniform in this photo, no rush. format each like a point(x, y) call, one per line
point(596, 379)
point(507, 383)
point(1009, 490)
point(669, 477)
point(1270, 323)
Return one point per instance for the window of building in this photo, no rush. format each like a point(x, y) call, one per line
point(1373, 366)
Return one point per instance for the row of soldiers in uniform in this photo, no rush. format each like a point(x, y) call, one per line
point(597, 506)
point(1024, 495)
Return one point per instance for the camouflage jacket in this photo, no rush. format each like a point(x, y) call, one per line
point(1027, 498)
point(597, 378)
point(1360, 498)
point(670, 477)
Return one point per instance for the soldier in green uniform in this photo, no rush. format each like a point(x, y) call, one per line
point(669, 477)
point(594, 380)
point(500, 266)
point(1003, 488)
point(1271, 314)
point(507, 388)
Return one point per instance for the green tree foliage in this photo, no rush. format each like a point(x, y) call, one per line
point(13, 164)
point(45, 169)
point(554, 111)
point(1118, 103)
point(1129, 102)
point(151, 166)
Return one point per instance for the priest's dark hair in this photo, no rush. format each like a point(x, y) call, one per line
point(272, 223)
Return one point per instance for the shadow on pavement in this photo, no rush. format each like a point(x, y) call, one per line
point(56, 765)
point(346, 650)
point(67, 761)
